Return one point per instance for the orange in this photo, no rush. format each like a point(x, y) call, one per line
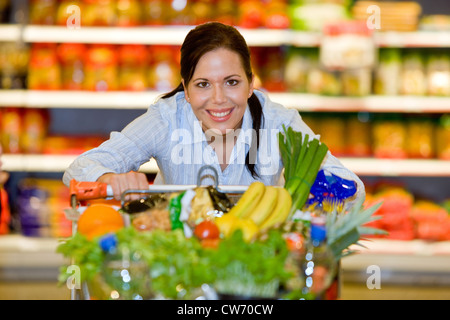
point(99, 219)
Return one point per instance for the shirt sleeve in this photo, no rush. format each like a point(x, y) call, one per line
point(125, 151)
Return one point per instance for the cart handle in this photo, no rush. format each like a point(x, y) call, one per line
point(85, 190)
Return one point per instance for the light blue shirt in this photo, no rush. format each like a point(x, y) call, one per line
point(170, 133)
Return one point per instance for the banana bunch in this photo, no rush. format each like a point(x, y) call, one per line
point(260, 206)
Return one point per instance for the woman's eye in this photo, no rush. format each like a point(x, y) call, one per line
point(232, 82)
point(202, 84)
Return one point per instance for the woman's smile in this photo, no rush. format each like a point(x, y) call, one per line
point(220, 115)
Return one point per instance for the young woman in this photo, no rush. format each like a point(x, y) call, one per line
point(214, 117)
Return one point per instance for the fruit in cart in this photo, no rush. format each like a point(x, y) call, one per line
point(207, 230)
point(225, 223)
point(281, 210)
point(249, 200)
point(99, 219)
point(228, 223)
point(266, 206)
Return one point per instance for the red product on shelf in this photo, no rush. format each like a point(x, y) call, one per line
point(432, 221)
point(71, 57)
point(133, 67)
point(34, 130)
point(276, 16)
point(101, 68)
point(251, 14)
point(43, 71)
point(11, 129)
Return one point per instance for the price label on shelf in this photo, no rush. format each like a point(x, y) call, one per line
point(347, 45)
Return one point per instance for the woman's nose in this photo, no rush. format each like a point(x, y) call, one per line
point(219, 95)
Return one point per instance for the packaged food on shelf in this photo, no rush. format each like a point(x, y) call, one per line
point(250, 13)
point(133, 66)
point(11, 129)
point(129, 13)
point(202, 11)
point(420, 137)
point(14, 59)
point(297, 65)
point(387, 72)
point(101, 69)
point(438, 73)
point(154, 12)
point(64, 11)
point(413, 77)
point(435, 22)
point(226, 11)
point(163, 73)
point(358, 135)
point(71, 57)
point(389, 136)
point(443, 137)
point(357, 82)
point(40, 205)
point(179, 13)
point(313, 15)
point(99, 13)
point(272, 70)
point(393, 15)
point(324, 82)
point(71, 145)
point(432, 221)
point(43, 12)
point(44, 72)
point(34, 130)
point(276, 16)
point(333, 132)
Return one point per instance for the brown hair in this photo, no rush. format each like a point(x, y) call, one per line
point(211, 36)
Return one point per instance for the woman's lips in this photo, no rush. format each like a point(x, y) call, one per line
point(220, 115)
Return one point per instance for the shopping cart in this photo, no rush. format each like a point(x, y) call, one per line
point(82, 191)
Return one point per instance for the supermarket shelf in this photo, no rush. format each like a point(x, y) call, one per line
point(361, 166)
point(174, 35)
point(300, 101)
point(50, 163)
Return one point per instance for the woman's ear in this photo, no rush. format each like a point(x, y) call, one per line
point(186, 95)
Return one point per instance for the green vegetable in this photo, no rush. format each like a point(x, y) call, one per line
point(302, 159)
point(175, 211)
point(253, 269)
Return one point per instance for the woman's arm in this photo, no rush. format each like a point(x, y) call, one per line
point(116, 160)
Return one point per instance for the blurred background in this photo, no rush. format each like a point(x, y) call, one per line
point(371, 77)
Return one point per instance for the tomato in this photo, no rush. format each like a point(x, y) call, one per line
point(207, 230)
point(210, 243)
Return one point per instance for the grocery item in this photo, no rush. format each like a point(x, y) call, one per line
point(438, 73)
point(163, 73)
point(44, 72)
point(226, 12)
point(298, 63)
point(14, 59)
point(201, 11)
point(101, 70)
point(251, 14)
point(392, 15)
point(443, 137)
point(71, 57)
point(99, 13)
point(389, 137)
point(155, 12)
point(357, 82)
point(11, 129)
point(276, 16)
point(128, 13)
point(432, 222)
point(34, 130)
point(99, 219)
point(43, 12)
point(388, 71)
point(133, 67)
point(420, 141)
point(313, 15)
point(358, 136)
point(413, 79)
point(64, 11)
point(333, 132)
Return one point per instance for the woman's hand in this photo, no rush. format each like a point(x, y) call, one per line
point(121, 182)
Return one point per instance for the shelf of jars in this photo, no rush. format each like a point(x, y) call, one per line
point(361, 166)
point(174, 35)
point(300, 101)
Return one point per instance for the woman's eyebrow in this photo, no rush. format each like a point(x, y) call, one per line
point(226, 78)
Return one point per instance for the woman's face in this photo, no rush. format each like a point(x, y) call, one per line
point(219, 90)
